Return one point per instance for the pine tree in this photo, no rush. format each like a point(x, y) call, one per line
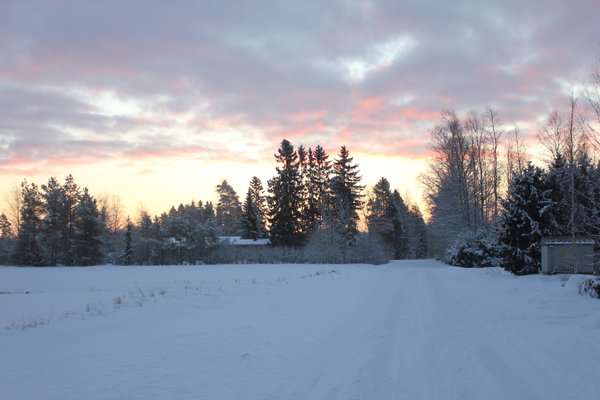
point(229, 210)
point(55, 220)
point(72, 195)
point(347, 198)
point(87, 229)
point(285, 191)
point(28, 251)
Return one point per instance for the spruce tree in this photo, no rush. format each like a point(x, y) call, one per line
point(259, 199)
point(87, 229)
point(347, 198)
point(285, 196)
point(229, 210)
point(557, 182)
point(303, 169)
point(317, 188)
point(251, 221)
point(253, 217)
point(379, 215)
point(399, 215)
point(524, 220)
point(587, 206)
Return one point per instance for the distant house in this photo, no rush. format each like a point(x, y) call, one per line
point(238, 241)
point(562, 254)
point(234, 249)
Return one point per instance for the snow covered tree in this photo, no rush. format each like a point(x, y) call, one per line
point(28, 250)
point(557, 181)
point(476, 249)
point(209, 226)
point(463, 180)
point(87, 229)
point(229, 210)
point(127, 256)
point(524, 220)
point(285, 196)
point(446, 183)
point(347, 198)
point(173, 235)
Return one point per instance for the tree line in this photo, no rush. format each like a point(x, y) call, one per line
point(313, 209)
point(492, 207)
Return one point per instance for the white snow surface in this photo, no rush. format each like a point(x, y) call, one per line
point(405, 330)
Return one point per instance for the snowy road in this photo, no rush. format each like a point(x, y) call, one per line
point(407, 330)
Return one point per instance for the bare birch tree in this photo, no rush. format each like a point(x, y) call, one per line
point(14, 201)
point(515, 155)
point(495, 134)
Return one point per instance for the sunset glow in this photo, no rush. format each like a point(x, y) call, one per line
point(158, 104)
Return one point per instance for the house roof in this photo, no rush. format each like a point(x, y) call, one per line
point(238, 241)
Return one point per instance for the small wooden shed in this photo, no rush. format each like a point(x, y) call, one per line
point(562, 254)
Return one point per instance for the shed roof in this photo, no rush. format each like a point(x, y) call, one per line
point(566, 240)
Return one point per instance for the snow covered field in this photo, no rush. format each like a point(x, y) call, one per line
point(406, 330)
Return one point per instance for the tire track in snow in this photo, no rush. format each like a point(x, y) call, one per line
point(418, 335)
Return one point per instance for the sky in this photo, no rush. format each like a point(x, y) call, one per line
point(159, 103)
